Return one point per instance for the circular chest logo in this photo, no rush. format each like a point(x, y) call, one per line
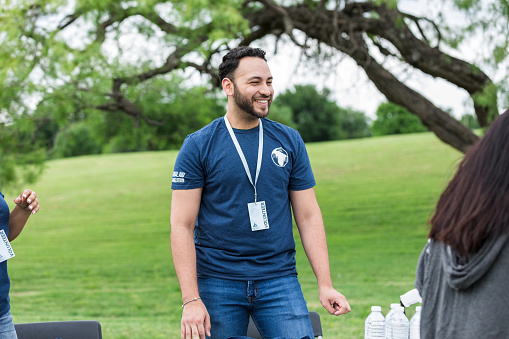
point(279, 157)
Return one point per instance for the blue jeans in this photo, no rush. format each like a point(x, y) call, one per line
point(7, 330)
point(277, 307)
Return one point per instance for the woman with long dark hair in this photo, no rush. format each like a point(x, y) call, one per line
point(463, 272)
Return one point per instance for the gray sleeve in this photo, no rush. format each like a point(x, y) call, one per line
point(421, 267)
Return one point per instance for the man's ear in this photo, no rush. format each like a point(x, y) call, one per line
point(227, 86)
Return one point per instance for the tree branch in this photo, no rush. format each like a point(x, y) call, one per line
point(431, 60)
point(287, 20)
point(69, 20)
point(416, 20)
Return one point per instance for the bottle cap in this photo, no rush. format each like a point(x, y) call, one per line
point(411, 297)
point(376, 308)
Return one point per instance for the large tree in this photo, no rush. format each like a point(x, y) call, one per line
point(62, 59)
point(356, 28)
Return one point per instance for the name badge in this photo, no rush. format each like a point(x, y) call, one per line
point(6, 251)
point(258, 216)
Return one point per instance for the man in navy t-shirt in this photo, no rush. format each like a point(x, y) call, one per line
point(235, 183)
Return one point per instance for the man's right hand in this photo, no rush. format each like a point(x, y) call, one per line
point(195, 321)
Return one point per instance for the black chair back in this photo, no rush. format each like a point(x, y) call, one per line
point(252, 331)
point(80, 329)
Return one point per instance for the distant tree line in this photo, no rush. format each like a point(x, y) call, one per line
point(394, 119)
point(313, 113)
point(317, 117)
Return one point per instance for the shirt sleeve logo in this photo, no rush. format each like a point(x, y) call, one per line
point(279, 157)
point(178, 177)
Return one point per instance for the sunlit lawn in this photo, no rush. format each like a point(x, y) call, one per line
point(99, 248)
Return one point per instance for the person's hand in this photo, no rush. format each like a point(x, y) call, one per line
point(334, 302)
point(27, 200)
point(195, 321)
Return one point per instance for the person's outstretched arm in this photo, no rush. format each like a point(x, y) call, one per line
point(26, 205)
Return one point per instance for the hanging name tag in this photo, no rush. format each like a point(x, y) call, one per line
point(258, 216)
point(6, 251)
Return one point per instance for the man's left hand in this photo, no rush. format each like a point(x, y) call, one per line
point(334, 302)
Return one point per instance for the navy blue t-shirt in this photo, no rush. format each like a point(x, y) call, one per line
point(4, 278)
point(226, 247)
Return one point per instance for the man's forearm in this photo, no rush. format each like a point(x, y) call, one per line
point(184, 259)
point(315, 245)
point(17, 221)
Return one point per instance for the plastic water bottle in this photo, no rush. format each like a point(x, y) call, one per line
point(400, 324)
point(388, 321)
point(415, 324)
point(375, 324)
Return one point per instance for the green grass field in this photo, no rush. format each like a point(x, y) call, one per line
point(99, 248)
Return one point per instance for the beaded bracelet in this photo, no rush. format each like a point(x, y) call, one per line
point(187, 302)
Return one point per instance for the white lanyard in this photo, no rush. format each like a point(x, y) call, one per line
point(241, 154)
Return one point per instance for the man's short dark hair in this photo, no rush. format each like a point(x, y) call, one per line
point(232, 58)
